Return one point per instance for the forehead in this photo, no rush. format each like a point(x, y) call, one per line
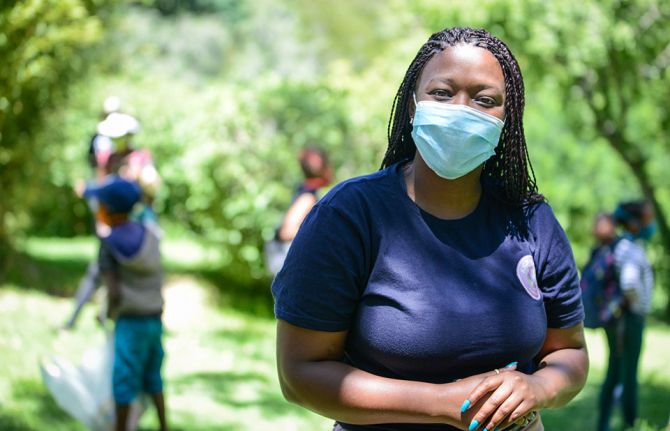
point(465, 64)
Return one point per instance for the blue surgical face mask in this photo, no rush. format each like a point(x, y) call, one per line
point(453, 140)
point(647, 231)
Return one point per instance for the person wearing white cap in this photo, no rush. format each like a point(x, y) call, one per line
point(110, 153)
point(119, 129)
point(117, 125)
point(130, 163)
point(113, 126)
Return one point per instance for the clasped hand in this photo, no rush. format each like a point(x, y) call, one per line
point(504, 399)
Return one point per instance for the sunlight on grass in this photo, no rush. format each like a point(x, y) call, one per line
point(220, 370)
point(654, 384)
point(179, 253)
point(79, 248)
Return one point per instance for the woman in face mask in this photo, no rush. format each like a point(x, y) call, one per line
point(624, 336)
point(439, 293)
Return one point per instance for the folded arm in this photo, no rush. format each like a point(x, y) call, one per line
point(563, 367)
point(312, 374)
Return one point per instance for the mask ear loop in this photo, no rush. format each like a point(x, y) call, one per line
point(411, 119)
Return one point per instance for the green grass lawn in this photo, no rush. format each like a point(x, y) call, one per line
point(220, 369)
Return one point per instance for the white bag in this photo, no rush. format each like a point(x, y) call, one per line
point(85, 392)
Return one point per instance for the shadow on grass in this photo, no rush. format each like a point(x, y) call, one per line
point(60, 276)
point(34, 406)
point(582, 414)
point(243, 294)
point(253, 341)
point(239, 391)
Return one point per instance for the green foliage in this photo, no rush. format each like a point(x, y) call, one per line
point(606, 66)
point(354, 30)
point(228, 91)
point(41, 46)
point(225, 141)
point(233, 10)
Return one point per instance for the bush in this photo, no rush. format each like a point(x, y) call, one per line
point(42, 46)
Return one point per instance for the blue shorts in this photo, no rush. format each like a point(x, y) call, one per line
point(138, 356)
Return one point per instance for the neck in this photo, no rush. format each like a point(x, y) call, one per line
point(446, 199)
point(114, 219)
point(315, 183)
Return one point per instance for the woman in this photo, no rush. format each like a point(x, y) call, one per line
point(318, 173)
point(407, 291)
point(624, 336)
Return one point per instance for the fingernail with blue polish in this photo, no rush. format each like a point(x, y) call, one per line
point(473, 425)
point(485, 429)
point(465, 406)
point(511, 364)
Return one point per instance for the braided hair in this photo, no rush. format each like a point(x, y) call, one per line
point(509, 170)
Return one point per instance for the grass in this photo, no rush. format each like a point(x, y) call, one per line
point(220, 369)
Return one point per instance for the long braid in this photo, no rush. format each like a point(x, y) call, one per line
point(510, 168)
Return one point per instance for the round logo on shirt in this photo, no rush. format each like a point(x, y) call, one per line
point(525, 270)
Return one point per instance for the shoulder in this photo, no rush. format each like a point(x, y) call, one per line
point(539, 212)
point(362, 191)
point(626, 248)
point(126, 239)
point(130, 228)
point(528, 220)
point(542, 220)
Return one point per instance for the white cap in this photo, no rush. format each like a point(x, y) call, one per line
point(111, 104)
point(117, 125)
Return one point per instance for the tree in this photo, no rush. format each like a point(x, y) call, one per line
point(41, 46)
point(610, 63)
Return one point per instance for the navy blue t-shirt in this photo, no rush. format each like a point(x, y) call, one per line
point(424, 298)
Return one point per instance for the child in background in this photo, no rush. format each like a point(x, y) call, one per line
point(130, 266)
point(120, 160)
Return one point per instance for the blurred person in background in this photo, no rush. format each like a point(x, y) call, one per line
point(101, 146)
point(132, 163)
point(439, 293)
point(318, 173)
point(115, 158)
point(604, 229)
point(624, 339)
point(601, 294)
point(130, 265)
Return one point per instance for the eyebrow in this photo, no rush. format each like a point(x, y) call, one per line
point(478, 87)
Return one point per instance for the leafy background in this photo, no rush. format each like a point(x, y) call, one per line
point(228, 91)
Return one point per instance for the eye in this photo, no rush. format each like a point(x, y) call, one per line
point(441, 94)
point(487, 101)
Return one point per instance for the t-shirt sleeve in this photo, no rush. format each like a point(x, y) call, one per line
point(557, 272)
point(320, 283)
